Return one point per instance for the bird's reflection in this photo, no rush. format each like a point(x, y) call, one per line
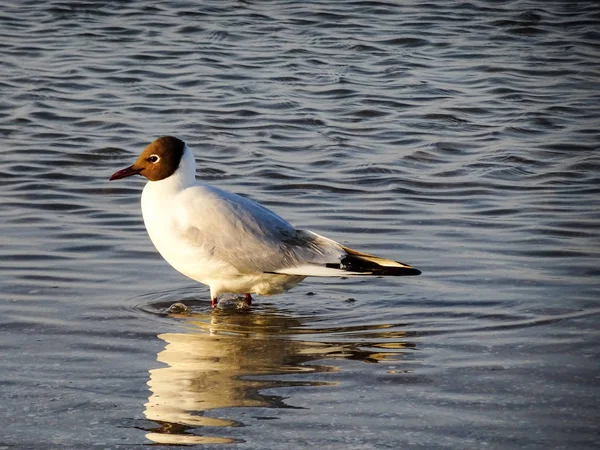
point(228, 359)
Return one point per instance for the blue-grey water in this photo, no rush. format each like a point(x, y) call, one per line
point(460, 137)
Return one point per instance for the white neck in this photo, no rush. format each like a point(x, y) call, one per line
point(184, 176)
point(157, 196)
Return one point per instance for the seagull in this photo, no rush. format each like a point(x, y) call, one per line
point(229, 242)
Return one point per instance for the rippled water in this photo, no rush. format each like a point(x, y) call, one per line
point(459, 137)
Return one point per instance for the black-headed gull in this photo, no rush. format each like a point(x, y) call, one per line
point(230, 243)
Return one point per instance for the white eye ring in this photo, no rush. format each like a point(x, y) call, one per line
point(153, 159)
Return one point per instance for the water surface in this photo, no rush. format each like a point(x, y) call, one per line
point(458, 137)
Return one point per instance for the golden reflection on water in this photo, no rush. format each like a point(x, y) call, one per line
point(211, 367)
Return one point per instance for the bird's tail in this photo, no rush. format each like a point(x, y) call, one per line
point(363, 263)
point(348, 263)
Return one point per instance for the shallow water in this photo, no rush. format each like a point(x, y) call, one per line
point(458, 137)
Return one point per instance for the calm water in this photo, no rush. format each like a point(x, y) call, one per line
point(462, 138)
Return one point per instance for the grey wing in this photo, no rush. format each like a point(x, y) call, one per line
point(248, 236)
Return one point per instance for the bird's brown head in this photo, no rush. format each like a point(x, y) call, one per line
point(158, 161)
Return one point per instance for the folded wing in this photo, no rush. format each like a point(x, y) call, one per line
point(252, 239)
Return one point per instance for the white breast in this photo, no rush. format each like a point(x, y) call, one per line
point(163, 223)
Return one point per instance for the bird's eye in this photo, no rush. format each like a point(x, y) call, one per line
point(153, 159)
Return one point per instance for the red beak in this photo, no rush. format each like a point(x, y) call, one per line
point(126, 172)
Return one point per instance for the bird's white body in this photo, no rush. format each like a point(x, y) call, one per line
point(228, 242)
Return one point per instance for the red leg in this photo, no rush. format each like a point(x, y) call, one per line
point(214, 302)
point(248, 299)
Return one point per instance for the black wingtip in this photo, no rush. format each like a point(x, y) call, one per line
point(396, 271)
point(366, 264)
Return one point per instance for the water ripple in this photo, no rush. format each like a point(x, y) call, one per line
point(461, 137)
